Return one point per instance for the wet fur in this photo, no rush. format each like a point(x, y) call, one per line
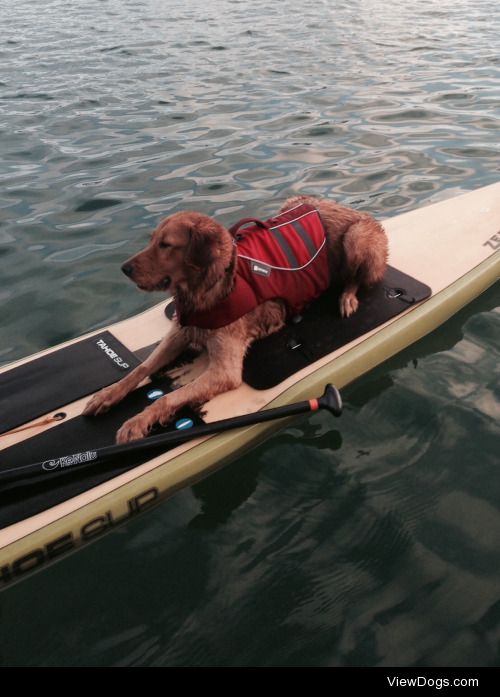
point(194, 256)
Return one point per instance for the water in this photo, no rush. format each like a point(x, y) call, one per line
point(376, 544)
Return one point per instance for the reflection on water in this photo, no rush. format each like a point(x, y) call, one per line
point(372, 546)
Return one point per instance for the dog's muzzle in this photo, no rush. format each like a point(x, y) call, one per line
point(128, 269)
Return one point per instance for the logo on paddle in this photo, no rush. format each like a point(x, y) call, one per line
point(69, 460)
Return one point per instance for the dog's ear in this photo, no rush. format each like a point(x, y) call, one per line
point(203, 239)
point(198, 254)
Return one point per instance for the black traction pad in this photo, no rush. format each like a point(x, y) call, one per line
point(59, 378)
point(321, 330)
point(23, 498)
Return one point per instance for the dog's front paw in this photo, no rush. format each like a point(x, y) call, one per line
point(103, 400)
point(135, 428)
point(140, 426)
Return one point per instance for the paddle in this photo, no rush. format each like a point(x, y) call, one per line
point(330, 400)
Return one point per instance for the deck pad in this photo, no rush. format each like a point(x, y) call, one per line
point(61, 377)
point(22, 498)
point(321, 330)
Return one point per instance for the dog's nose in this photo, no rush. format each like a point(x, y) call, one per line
point(127, 269)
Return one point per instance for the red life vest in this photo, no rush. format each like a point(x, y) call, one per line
point(284, 257)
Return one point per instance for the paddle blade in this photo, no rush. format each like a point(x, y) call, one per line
point(331, 400)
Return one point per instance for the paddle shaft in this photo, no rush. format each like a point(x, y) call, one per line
point(329, 400)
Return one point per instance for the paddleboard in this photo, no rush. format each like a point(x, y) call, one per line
point(442, 256)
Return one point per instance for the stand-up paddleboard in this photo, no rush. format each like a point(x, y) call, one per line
point(441, 257)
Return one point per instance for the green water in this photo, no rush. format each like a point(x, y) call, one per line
point(372, 544)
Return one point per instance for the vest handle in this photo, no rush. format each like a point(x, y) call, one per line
point(245, 221)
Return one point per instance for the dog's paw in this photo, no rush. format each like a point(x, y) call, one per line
point(348, 304)
point(135, 428)
point(103, 400)
point(140, 426)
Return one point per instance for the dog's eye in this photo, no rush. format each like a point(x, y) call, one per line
point(164, 245)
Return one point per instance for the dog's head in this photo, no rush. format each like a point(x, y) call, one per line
point(188, 251)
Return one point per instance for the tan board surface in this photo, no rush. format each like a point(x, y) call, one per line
point(452, 246)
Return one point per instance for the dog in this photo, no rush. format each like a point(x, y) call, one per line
point(197, 259)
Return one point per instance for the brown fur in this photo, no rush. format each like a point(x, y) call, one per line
point(194, 256)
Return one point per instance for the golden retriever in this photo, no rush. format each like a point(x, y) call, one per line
point(194, 257)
